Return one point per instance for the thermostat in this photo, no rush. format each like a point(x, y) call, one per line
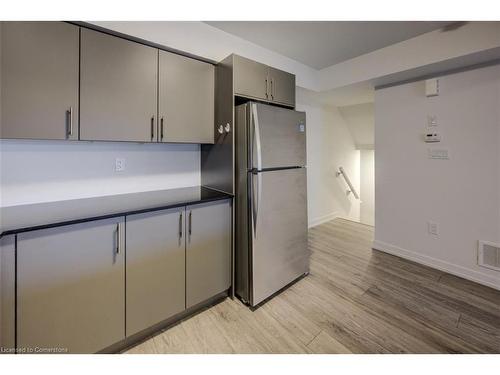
point(432, 137)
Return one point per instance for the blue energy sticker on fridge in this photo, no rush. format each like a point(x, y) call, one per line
point(302, 127)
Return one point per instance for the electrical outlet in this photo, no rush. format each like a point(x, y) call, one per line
point(119, 165)
point(433, 228)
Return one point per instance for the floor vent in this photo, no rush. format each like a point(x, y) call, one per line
point(488, 255)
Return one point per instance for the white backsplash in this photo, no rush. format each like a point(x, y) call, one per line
point(43, 171)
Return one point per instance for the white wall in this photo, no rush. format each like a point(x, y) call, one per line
point(360, 118)
point(329, 145)
point(41, 171)
point(462, 194)
point(367, 187)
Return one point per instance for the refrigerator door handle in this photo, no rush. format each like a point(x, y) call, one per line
point(256, 134)
point(254, 207)
point(256, 201)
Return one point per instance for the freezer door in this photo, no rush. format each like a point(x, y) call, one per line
point(277, 136)
point(278, 218)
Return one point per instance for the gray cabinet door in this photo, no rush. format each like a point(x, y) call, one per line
point(208, 251)
point(39, 90)
point(7, 294)
point(282, 87)
point(155, 267)
point(250, 78)
point(186, 101)
point(71, 287)
point(118, 84)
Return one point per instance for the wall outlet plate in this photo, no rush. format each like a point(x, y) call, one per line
point(432, 87)
point(433, 228)
point(119, 165)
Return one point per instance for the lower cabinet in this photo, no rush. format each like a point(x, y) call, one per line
point(208, 251)
point(7, 294)
point(155, 267)
point(84, 287)
point(71, 287)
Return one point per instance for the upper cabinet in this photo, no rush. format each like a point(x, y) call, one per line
point(39, 90)
point(281, 86)
point(118, 89)
point(250, 78)
point(259, 81)
point(186, 99)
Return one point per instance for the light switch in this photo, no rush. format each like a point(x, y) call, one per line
point(432, 137)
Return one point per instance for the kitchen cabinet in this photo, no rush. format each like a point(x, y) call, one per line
point(101, 284)
point(250, 78)
point(155, 267)
point(208, 251)
point(71, 286)
point(39, 70)
point(186, 99)
point(259, 81)
point(65, 82)
point(281, 86)
point(118, 89)
point(7, 294)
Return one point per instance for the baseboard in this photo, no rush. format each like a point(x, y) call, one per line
point(438, 264)
point(323, 219)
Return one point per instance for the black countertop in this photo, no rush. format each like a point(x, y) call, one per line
point(22, 218)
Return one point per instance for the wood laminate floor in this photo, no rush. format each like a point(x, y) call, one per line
point(355, 300)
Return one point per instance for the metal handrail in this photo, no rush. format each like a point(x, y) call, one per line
point(352, 190)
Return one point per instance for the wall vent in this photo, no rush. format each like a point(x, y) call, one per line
point(488, 255)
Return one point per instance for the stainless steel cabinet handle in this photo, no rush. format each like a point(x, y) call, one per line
point(267, 89)
point(161, 129)
point(180, 225)
point(118, 244)
point(272, 88)
point(190, 222)
point(152, 127)
point(70, 121)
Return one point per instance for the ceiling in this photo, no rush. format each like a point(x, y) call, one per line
point(320, 44)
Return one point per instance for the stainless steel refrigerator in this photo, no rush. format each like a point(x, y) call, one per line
point(271, 200)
